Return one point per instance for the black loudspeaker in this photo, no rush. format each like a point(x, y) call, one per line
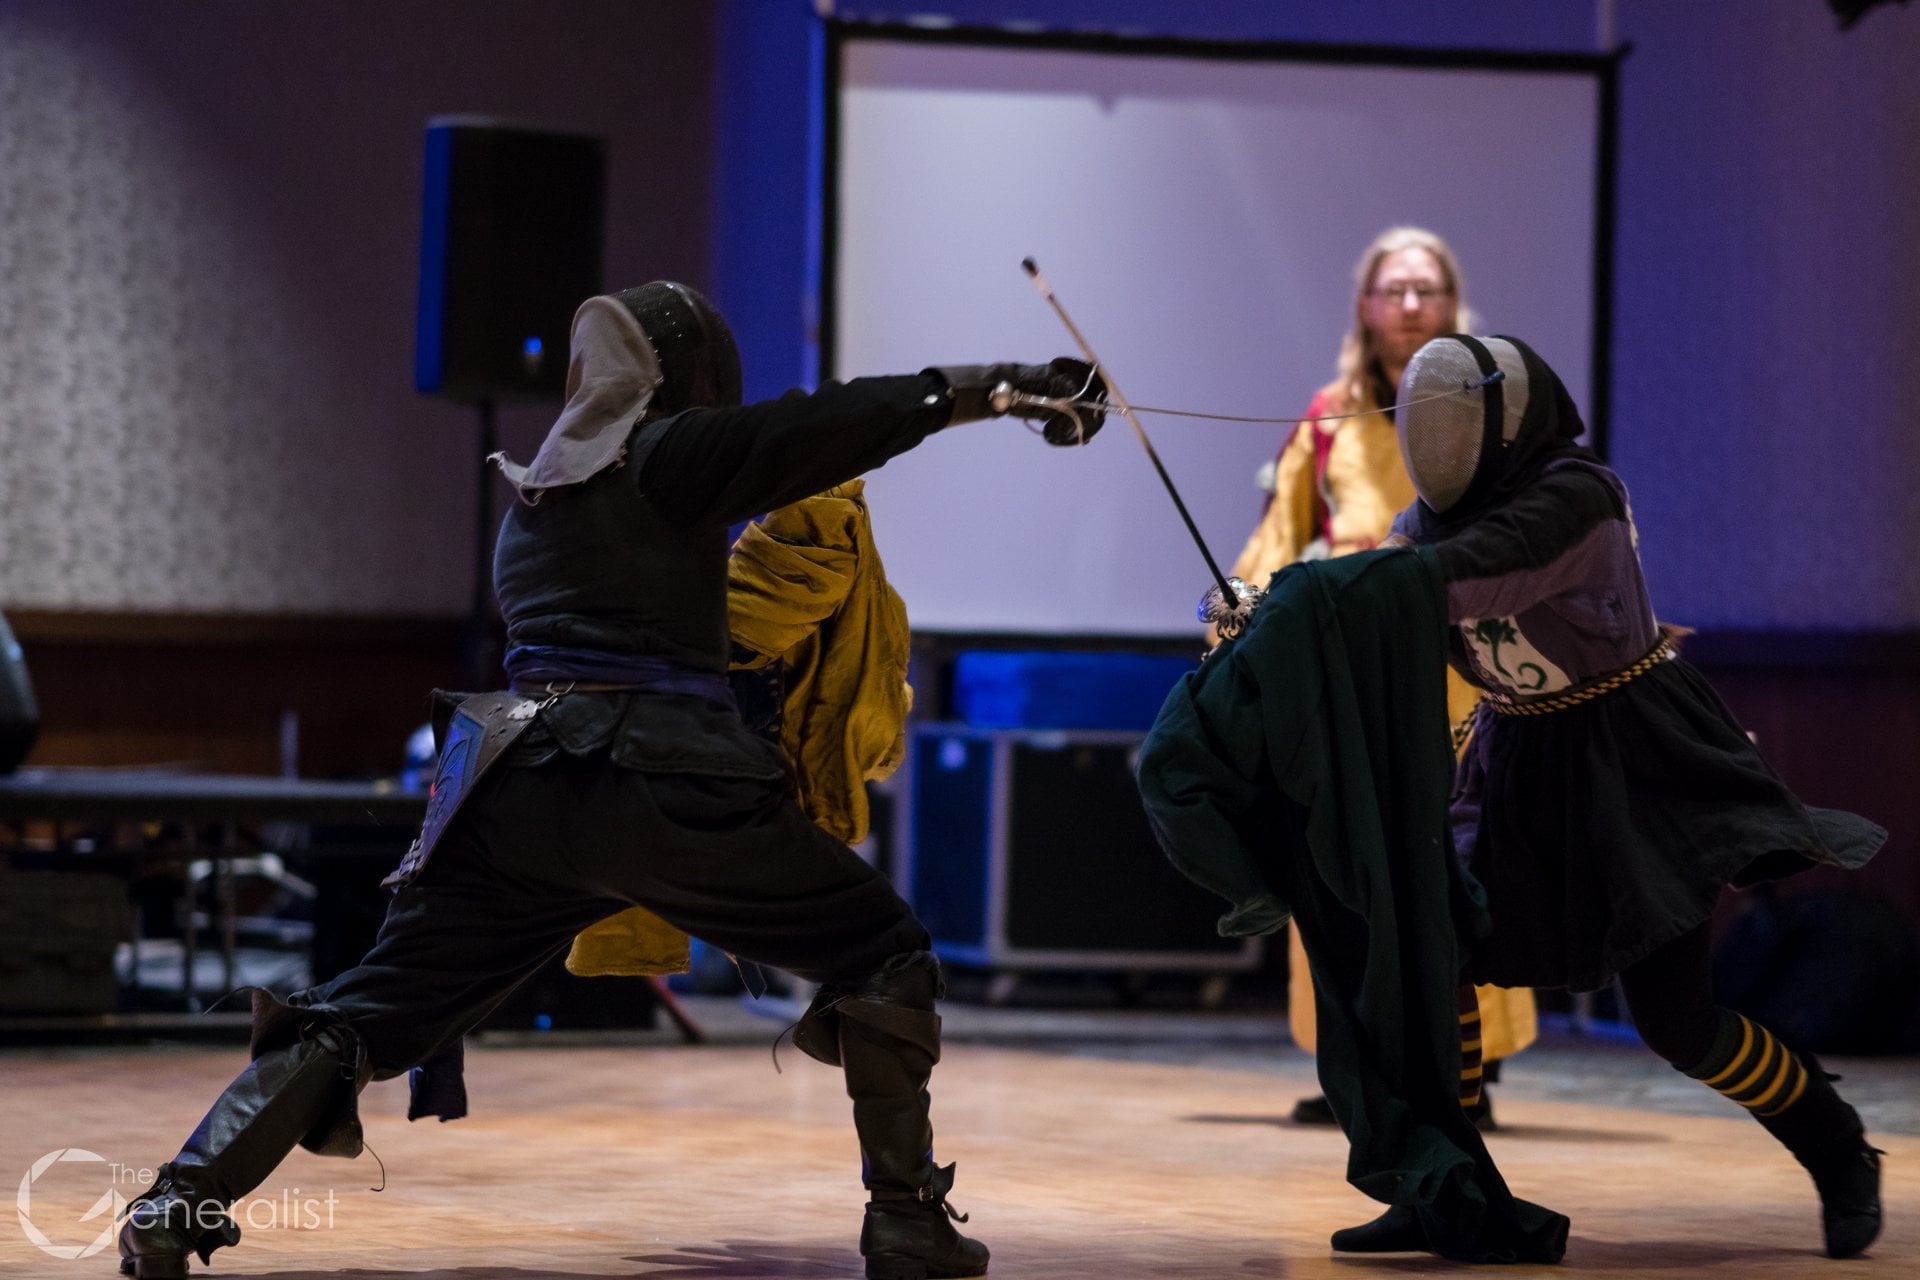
point(511, 237)
point(19, 716)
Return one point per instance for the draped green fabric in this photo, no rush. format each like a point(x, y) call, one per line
point(1304, 769)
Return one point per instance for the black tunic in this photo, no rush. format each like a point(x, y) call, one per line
point(1607, 828)
point(660, 800)
point(634, 560)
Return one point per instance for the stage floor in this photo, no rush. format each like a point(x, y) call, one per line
point(676, 1163)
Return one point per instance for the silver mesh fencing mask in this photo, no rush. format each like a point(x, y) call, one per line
point(1450, 418)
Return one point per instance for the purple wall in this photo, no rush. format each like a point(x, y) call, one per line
point(1764, 316)
point(1767, 326)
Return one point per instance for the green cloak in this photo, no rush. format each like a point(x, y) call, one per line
point(1304, 770)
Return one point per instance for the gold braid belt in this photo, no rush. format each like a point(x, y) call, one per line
point(1668, 646)
point(1662, 650)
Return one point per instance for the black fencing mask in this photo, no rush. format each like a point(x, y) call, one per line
point(699, 362)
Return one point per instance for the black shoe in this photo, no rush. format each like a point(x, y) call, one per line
point(160, 1228)
point(1314, 1110)
point(910, 1239)
point(1481, 1113)
point(1395, 1231)
point(1825, 1135)
point(1398, 1230)
point(1850, 1201)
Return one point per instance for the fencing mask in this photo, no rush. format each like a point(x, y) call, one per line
point(1452, 421)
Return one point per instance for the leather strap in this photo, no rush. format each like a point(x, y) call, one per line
point(480, 731)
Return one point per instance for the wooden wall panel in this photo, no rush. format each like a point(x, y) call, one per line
point(211, 692)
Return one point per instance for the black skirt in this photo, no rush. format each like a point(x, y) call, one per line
point(1606, 829)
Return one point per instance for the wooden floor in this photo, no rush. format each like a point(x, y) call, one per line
point(685, 1163)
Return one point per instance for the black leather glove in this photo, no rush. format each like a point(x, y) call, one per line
point(979, 391)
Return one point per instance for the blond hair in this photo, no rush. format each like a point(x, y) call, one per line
point(1358, 354)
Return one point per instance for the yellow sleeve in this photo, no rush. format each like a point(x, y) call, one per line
point(1287, 527)
point(789, 574)
point(1368, 482)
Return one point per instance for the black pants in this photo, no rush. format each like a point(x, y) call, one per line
point(539, 853)
point(1670, 997)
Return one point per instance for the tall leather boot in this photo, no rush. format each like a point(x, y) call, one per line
point(883, 1032)
point(275, 1103)
point(1794, 1100)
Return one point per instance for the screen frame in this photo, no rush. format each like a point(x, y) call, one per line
point(1603, 68)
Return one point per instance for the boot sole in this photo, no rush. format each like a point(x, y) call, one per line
point(884, 1268)
point(1395, 1231)
point(160, 1268)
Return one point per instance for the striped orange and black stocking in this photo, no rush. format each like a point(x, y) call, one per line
point(1749, 1065)
point(1472, 1069)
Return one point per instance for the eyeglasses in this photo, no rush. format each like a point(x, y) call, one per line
point(1424, 294)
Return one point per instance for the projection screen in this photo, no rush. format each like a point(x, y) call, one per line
point(1199, 216)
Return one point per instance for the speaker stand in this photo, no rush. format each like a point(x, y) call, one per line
point(482, 644)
